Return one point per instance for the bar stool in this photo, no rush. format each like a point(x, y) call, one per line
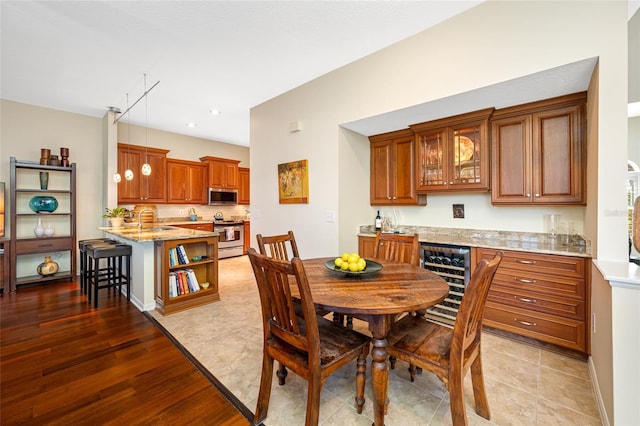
point(83, 258)
point(113, 275)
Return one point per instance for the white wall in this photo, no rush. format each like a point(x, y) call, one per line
point(499, 41)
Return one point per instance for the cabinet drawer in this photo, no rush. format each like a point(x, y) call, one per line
point(548, 328)
point(43, 245)
point(565, 307)
point(524, 282)
point(565, 266)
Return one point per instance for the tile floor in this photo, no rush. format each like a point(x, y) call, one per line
point(525, 385)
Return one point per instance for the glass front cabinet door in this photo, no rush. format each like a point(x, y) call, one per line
point(453, 153)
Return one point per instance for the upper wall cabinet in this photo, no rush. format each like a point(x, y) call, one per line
point(187, 182)
point(452, 154)
point(150, 189)
point(223, 173)
point(244, 186)
point(539, 152)
point(392, 170)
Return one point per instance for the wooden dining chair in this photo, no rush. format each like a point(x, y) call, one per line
point(397, 248)
point(400, 248)
point(281, 247)
point(450, 353)
point(311, 346)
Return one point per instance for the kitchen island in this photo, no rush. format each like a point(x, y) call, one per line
point(150, 264)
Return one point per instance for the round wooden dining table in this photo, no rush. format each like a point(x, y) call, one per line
point(377, 298)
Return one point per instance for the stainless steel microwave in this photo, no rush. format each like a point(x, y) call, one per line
point(219, 197)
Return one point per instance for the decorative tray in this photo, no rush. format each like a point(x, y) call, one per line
point(372, 266)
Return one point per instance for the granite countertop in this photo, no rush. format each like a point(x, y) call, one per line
point(564, 245)
point(156, 233)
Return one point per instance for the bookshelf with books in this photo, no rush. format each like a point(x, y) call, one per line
point(186, 273)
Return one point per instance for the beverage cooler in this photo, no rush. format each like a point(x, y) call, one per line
point(452, 263)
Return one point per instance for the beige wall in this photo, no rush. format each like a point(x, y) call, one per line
point(181, 147)
point(25, 129)
point(500, 41)
point(601, 340)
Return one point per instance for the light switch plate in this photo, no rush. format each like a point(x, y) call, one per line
point(330, 216)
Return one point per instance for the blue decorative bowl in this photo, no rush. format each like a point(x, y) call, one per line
point(43, 204)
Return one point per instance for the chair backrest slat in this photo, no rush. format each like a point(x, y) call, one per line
point(274, 278)
point(281, 247)
point(397, 248)
point(468, 325)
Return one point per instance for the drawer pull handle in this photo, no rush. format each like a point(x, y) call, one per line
point(527, 323)
point(526, 262)
point(524, 280)
point(45, 245)
point(524, 299)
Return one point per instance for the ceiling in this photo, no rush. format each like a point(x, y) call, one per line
point(86, 56)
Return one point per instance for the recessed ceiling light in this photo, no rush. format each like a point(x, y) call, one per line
point(191, 125)
point(215, 112)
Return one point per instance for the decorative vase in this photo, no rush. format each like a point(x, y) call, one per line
point(44, 180)
point(49, 231)
point(43, 204)
point(38, 231)
point(116, 222)
point(48, 267)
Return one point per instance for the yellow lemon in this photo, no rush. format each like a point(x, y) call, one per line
point(353, 258)
point(354, 267)
point(345, 256)
point(362, 264)
point(344, 266)
point(338, 262)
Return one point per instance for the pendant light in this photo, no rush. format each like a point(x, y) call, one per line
point(128, 174)
point(146, 167)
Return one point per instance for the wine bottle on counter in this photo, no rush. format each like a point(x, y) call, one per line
point(378, 221)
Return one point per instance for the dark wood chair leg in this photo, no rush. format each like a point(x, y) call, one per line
point(361, 376)
point(282, 374)
point(264, 394)
point(479, 394)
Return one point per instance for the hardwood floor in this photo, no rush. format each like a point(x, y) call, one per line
point(63, 362)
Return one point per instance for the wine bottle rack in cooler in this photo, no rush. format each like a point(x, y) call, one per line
point(452, 263)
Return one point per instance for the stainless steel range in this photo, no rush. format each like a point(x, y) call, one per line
point(230, 238)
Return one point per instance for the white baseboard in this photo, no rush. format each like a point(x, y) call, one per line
point(596, 390)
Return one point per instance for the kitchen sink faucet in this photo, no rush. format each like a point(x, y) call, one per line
point(140, 216)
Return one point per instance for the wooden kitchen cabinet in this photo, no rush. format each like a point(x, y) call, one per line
point(247, 235)
point(452, 154)
point(186, 182)
point(223, 172)
point(205, 270)
point(539, 153)
point(150, 189)
point(541, 296)
point(243, 186)
point(199, 226)
point(392, 170)
point(366, 246)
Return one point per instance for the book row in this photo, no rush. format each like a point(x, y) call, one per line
point(183, 281)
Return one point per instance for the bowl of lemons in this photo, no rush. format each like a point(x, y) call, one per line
point(352, 264)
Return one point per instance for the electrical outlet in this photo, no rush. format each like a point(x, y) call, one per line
point(180, 212)
point(593, 322)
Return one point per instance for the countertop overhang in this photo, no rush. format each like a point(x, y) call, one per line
point(155, 233)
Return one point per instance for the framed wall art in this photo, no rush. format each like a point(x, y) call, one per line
point(293, 182)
